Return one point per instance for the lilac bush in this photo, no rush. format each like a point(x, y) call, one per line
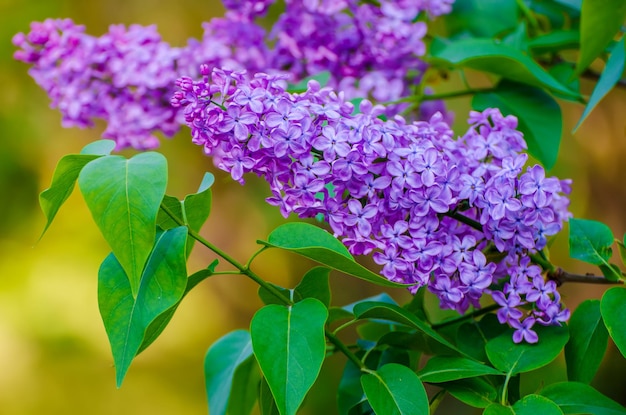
point(428, 207)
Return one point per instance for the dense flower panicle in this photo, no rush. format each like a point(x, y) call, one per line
point(460, 216)
point(124, 77)
point(127, 75)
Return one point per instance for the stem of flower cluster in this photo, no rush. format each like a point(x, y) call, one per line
point(467, 316)
point(561, 276)
point(245, 270)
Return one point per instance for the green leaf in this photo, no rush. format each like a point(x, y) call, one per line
point(63, 181)
point(350, 392)
point(474, 392)
point(538, 114)
point(320, 246)
point(220, 363)
point(590, 241)
point(267, 404)
point(395, 390)
point(162, 285)
point(580, 398)
point(536, 404)
point(599, 22)
point(157, 326)
point(515, 358)
point(498, 409)
point(488, 56)
point(314, 284)
point(554, 41)
point(613, 309)
point(290, 345)
point(269, 298)
point(99, 148)
point(175, 206)
point(610, 76)
point(564, 73)
point(392, 312)
point(243, 393)
point(440, 369)
point(124, 197)
point(587, 342)
point(197, 206)
point(482, 18)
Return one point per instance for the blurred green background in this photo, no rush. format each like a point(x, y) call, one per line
point(54, 353)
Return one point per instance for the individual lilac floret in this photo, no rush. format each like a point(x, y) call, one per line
point(435, 211)
point(124, 77)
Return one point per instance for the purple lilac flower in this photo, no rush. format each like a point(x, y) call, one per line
point(408, 202)
point(126, 76)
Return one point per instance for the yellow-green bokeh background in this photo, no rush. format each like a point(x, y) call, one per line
point(54, 355)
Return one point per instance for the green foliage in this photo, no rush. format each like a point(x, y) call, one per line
point(599, 22)
point(591, 241)
point(444, 369)
point(395, 390)
point(289, 344)
point(580, 398)
point(613, 309)
point(513, 358)
point(536, 404)
point(475, 392)
point(162, 284)
point(538, 114)
point(587, 343)
point(320, 246)
point(124, 197)
point(482, 18)
point(223, 359)
point(610, 76)
point(499, 59)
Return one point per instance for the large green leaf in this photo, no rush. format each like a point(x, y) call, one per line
point(99, 148)
point(508, 62)
point(392, 312)
point(536, 404)
point(613, 309)
point(157, 326)
point(440, 369)
point(587, 343)
point(591, 241)
point(221, 361)
point(580, 398)
point(290, 346)
point(474, 392)
point(350, 392)
point(395, 390)
point(498, 409)
point(599, 22)
point(124, 197)
point(514, 358)
point(610, 76)
point(192, 211)
point(63, 181)
point(267, 404)
point(555, 41)
point(538, 114)
point(245, 386)
point(482, 18)
point(314, 284)
point(317, 244)
point(126, 318)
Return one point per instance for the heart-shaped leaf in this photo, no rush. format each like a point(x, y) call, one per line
point(580, 398)
point(290, 346)
point(613, 309)
point(395, 390)
point(124, 197)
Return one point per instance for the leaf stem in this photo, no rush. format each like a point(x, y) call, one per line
point(344, 349)
point(467, 316)
point(245, 270)
point(561, 276)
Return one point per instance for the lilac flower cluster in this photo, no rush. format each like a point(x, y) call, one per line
point(459, 216)
point(124, 77)
point(127, 75)
point(369, 50)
